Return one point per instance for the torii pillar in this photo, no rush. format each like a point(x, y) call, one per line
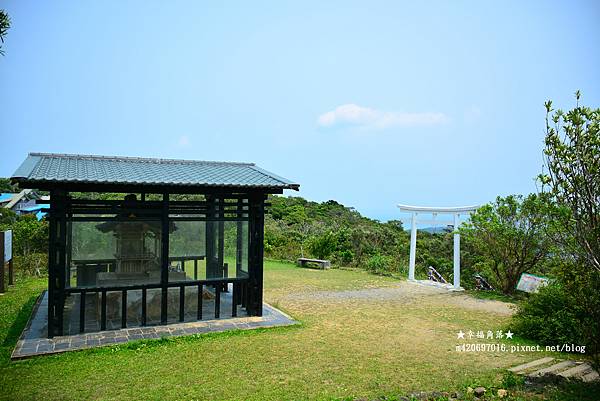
point(456, 211)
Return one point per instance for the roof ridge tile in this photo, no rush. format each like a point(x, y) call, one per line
point(138, 159)
point(72, 168)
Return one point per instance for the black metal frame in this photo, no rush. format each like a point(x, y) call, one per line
point(246, 206)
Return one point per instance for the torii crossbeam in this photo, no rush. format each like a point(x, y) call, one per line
point(434, 211)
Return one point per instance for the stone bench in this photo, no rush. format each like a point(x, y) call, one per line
point(323, 264)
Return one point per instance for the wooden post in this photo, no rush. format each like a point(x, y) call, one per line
point(124, 309)
point(52, 284)
point(68, 245)
point(217, 301)
point(164, 257)
point(221, 247)
point(144, 306)
point(62, 257)
point(103, 310)
point(56, 262)
point(210, 238)
point(82, 311)
point(239, 248)
point(182, 303)
point(221, 240)
point(10, 272)
point(199, 306)
point(255, 254)
point(234, 293)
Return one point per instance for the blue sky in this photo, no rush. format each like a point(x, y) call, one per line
point(369, 103)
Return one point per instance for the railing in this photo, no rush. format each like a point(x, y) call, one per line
point(239, 297)
point(434, 275)
point(184, 259)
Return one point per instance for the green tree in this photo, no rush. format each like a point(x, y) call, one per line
point(4, 25)
point(323, 245)
point(508, 236)
point(7, 218)
point(30, 235)
point(6, 186)
point(572, 179)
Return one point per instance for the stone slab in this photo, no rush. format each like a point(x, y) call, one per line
point(553, 368)
point(33, 341)
point(576, 371)
point(531, 364)
point(590, 377)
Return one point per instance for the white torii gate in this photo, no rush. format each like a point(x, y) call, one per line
point(434, 211)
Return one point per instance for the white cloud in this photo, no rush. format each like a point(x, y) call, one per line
point(352, 114)
point(184, 140)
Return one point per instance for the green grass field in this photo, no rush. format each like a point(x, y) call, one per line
point(345, 347)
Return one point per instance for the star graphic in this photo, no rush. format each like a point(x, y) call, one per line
point(461, 335)
point(509, 334)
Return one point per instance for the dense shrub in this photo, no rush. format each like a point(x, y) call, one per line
point(566, 312)
point(570, 178)
point(7, 218)
point(509, 238)
point(383, 264)
point(30, 242)
point(377, 263)
point(324, 245)
point(32, 264)
point(549, 317)
point(30, 235)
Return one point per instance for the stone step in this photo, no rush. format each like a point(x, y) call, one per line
point(590, 377)
point(525, 366)
point(578, 371)
point(553, 368)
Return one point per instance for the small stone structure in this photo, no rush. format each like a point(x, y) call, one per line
point(550, 369)
point(323, 264)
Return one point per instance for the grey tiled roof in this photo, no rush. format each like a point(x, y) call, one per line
point(63, 168)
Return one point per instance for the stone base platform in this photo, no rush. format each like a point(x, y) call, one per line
point(431, 283)
point(34, 341)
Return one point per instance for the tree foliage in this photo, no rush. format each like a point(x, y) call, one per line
point(296, 227)
point(6, 186)
point(30, 235)
point(508, 238)
point(4, 26)
point(572, 179)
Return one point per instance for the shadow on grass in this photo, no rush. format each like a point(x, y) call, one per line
point(21, 318)
point(576, 390)
point(496, 296)
point(553, 389)
point(150, 344)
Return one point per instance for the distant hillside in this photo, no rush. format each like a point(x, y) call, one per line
point(329, 230)
point(435, 230)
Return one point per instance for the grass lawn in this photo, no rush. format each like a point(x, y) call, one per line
point(347, 346)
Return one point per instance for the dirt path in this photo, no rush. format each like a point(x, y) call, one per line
point(408, 292)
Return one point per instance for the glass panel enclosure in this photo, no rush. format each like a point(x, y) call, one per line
point(187, 251)
point(116, 275)
point(201, 250)
point(208, 239)
point(114, 253)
